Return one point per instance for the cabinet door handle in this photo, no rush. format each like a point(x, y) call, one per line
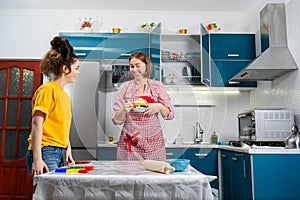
point(233, 82)
point(224, 156)
point(238, 154)
point(245, 169)
point(125, 54)
point(200, 154)
point(234, 158)
point(169, 154)
point(206, 79)
point(81, 54)
point(233, 55)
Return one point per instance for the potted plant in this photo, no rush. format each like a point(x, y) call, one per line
point(148, 27)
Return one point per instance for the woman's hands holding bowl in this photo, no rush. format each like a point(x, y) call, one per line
point(128, 106)
point(153, 108)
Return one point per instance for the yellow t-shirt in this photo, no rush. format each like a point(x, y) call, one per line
point(54, 102)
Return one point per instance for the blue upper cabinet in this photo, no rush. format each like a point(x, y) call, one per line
point(121, 45)
point(228, 54)
point(232, 46)
point(107, 45)
point(86, 45)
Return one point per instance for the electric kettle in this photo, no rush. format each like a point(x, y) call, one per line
point(293, 141)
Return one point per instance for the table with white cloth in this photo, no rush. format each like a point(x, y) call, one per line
point(123, 180)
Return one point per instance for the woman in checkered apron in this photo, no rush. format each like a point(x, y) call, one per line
point(141, 137)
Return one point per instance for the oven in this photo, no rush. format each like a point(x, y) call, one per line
point(265, 124)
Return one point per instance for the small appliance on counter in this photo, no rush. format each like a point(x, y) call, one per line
point(265, 125)
point(293, 141)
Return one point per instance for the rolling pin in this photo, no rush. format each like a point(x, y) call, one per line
point(158, 166)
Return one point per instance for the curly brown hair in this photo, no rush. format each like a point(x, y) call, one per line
point(60, 54)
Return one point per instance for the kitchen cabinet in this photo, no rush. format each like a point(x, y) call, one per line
point(122, 45)
point(228, 55)
point(110, 153)
point(259, 175)
point(276, 176)
point(86, 45)
point(236, 176)
point(106, 153)
point(107, 45)
point(180, 59)
point(232, 46)
point(173, 153)
point(204, 160)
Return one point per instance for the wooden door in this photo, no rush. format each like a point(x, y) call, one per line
point(18, 81)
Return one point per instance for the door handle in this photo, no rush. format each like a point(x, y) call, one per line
point(125, 54)
point(233, 55)
point(245, 169)
point(200, 154)
point(81, 54)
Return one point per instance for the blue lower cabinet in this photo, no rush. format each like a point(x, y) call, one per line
point(174, 153)
point(106, 153)
point(276, 176)
point(259, 176)
point(241, 179)
point(204, 160)
point(236, 176)
point(226, 174)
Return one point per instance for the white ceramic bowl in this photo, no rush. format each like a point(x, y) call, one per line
point(139, 109)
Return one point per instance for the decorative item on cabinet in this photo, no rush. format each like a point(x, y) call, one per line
point(182, 31)
point(116, 30)
point(148, 27)
point(213, 27)
point(86, 24)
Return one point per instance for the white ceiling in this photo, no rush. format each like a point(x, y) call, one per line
point(153, 5)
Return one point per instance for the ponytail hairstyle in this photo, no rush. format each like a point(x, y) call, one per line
point(145, 59)
point(60, 54)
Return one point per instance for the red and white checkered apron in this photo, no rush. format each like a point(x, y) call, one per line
point(141, 137)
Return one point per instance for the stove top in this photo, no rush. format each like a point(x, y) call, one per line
point(258, 143)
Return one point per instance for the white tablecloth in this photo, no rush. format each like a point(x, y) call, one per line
point(123, 180)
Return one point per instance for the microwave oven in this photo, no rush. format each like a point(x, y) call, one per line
point(265, 124)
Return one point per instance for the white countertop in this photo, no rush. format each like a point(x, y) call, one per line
point(261, 150)
point(184, 145)
point(256, 150)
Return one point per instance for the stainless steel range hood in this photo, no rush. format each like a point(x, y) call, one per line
point(276, 59)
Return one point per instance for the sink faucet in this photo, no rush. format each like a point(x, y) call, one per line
point(198, 133)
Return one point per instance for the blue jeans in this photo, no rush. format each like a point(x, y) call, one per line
point(52, 156)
